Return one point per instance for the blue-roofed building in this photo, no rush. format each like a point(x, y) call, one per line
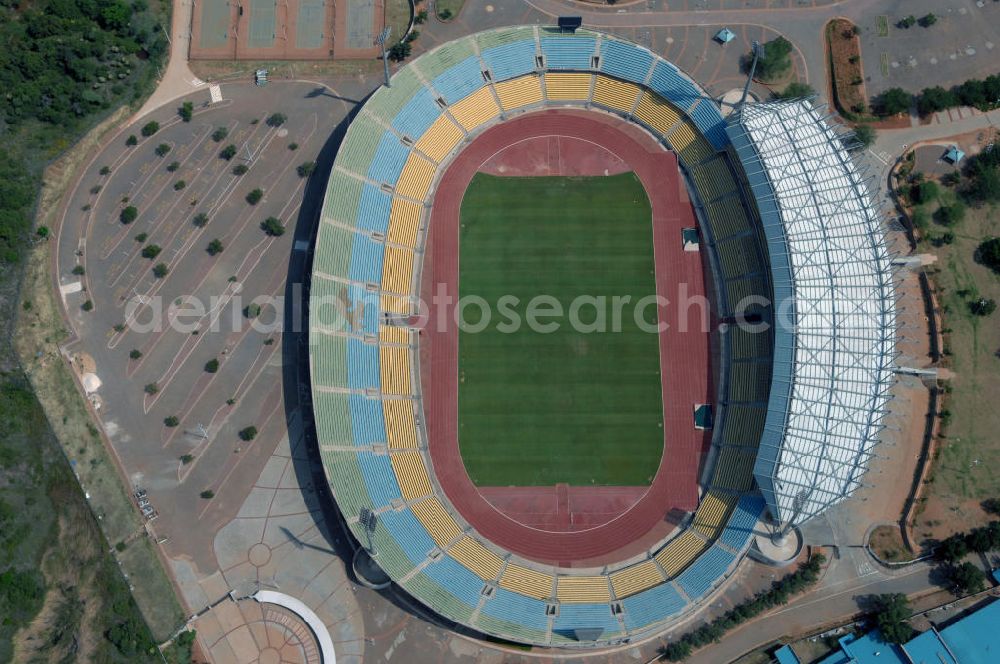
point(724, 36)
point(784, 655)
point(954, 155)
point(973, 639)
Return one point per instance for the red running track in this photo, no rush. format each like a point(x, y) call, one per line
point(685, 362)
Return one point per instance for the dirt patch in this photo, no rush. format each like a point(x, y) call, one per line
point(845, 61)
point(887, 543)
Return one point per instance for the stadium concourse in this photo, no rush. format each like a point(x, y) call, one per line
point(369, 413)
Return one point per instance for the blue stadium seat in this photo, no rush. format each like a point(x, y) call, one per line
point(380, 480)
point(362, 365)
point(568, 52)
point(707, 117)
point(418, 114)
point(626, 61)
point(669, 84)
point(742, 521)
point(367, 420)
point(511, 60)
point(389, 158)
point(653, 605)
point(460, 80)
point(408, 533)
point(516, 608)
point(703, 573)
point(373, 210)
point(576, 616)
point(363, 313)
point(456, 579)
point(366, 260)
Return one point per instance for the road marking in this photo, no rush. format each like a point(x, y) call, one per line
point(879, 157)
point(885, 64)
point(882, 23)
point(215, 91)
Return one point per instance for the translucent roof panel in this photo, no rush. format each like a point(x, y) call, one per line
point(835, 322)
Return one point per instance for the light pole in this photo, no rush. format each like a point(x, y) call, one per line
point(758, 53)
point(381, 40)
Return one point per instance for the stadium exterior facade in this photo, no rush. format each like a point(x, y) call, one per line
point(803, 224)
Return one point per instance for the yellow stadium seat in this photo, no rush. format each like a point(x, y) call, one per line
point(395, 370)
point(400, 424)
point(657, 113)
point(567, 87)
point(615, 94)
point(440, 139)
point(404, 222)
point(583, 589)
point(636, 578)
point(475, 110)
point(712, 513)
point(415, 180)
point(395, 304)
point(397, 270)
point(393, 334)
point(436, 520)
point(691, 147)
point(477, 558)
point(679, 552)
point(519, 92)
point(411, 474)
point(526, 581)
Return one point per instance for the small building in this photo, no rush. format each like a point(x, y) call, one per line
point(969, 640)
point(724, 36)
point(954, 155)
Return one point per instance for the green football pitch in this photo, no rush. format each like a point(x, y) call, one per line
point(538, 408)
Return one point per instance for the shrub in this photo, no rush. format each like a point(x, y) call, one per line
point(105, 170)
point(795, 90)
point(248, 434)
point(151, 388)
point(907, 22)
point(131, 140)
point(160, 270)
point(78, 270)
point(200, 219)
point(252, 310)
point(240, 169)
point(88, 305)
point(180, 184)
point(228, 152)
point(187, 458)
point(928, 20)
point(949, 215)
point(119, 327)
point(212, 366)
point(220, 134)
point(96, 189)
point(293, 146)
point(306, 169)
point(952, 549)
point(989, 254)
point(186, 111)
point(171, 421)
point(135, 354)
point(925, 192)
point(162, 149)
point(42, 232)
point(254, 196)
point(982, 307)
point(128, 215)
point(893, 102)
point(214, 247)
point(207, 494)
point(173, 166)
point(151, 251)
point(891, 613)
point(935, 99)
point(445, 14)
point(865, 134)
point(967, 579)
point(421, 17)
point(150, 128)
point(400, 51)
point(991, 505)
point(776, 61)
point(272, 226)
point(276, 119)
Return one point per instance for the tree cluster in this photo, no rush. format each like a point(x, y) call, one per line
point(780, 592)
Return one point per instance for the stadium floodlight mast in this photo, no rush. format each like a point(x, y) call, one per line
point(367, 519)
point(758, 52)
point(381, 40)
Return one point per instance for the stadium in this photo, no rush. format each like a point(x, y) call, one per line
point(574, 489)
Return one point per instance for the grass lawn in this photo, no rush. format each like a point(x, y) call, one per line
point(536, 409)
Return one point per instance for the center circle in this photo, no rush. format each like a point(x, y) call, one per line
point(259, 554)
point(269, 656)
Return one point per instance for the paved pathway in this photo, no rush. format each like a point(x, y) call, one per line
point(177, 79)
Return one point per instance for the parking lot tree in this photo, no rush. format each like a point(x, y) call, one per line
point(276, 119)
point(254, 196)
point(151, 251)
point(150, 128)
point(306, 169)
point(228, 152)
point(128, 214)
point(160, 270)
point(186, 111)
point(214, 247)
point(162, 149)
point(220, 134)
point(272, 226)
point(248, 434)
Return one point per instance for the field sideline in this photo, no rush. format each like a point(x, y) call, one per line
point(565, 407)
